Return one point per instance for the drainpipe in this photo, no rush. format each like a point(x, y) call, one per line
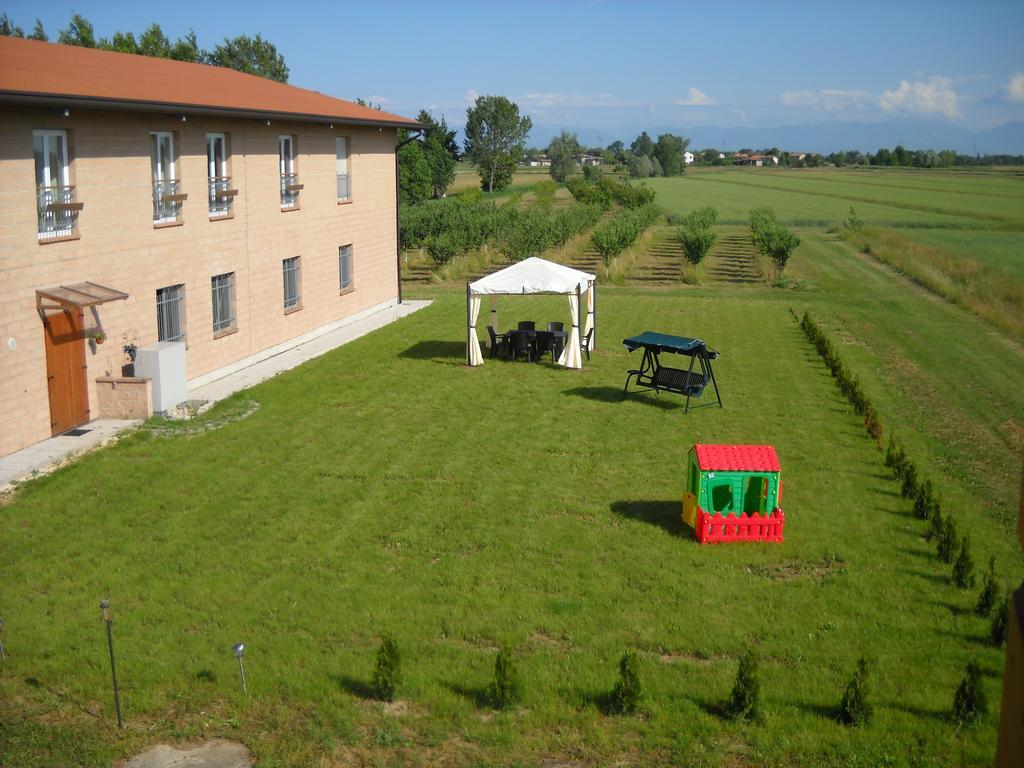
point(398, 230)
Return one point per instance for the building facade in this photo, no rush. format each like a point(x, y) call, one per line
point(235, 225)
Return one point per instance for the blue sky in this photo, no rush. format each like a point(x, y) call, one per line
point(615, 67)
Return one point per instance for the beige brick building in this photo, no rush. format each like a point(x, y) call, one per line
point(228, 212)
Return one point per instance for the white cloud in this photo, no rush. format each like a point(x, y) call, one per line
point(382, 100)
point(696, 98)
point(932, 97)
point(471, 96)
point(827, 99)
point(572, 100)
point(1015, 87)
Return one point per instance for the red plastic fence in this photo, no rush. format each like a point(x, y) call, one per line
point(716, 529)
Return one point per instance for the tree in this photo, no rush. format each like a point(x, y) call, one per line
point(122, 42)
point(9, 28)
point(656, 169)
point(642, 145)
point(252, 55)
point(415, 182)
point(640, 166)
point(439, 129)
point(855, 707)
point(38, 33)
point(669, 152)
point(78, 32)
point(495, 138)
point(563, 151)
point(618, 150)
point(440, 163)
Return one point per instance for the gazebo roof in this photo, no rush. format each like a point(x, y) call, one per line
point(532, 275)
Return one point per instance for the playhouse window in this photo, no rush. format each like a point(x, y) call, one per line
point(755, 494)
point(721, 497)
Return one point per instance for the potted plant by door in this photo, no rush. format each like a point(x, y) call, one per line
point(99, 337)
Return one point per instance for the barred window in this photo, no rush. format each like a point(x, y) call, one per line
point(170, 313)
point(345, 267)
point(291, 270)
point(223, 302)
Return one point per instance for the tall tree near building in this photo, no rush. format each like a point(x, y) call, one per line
point(440, 151)
point(562, 152)
point(414, 181)
point(495, 139)
point(78, 32)
point(642, 145)
point(252, 55)
point(669, 152)
point(441, 130)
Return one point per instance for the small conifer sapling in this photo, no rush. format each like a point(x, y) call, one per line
point(387, 674)
point(855, 707)
point(505, 689)
point(628, 691)
point(1000, 622)
point(989, 590)
point(969, 702)
point(963, 567)
point(745, 699)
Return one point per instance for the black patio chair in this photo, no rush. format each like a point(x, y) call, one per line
point(527, 325)
point(520, 342)
point(499, 341)
point(556, 326)
point(585, 342)
point(544, 342)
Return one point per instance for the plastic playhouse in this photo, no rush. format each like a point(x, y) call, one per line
point(734, 493)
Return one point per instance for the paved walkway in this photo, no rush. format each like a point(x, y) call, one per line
point(44, 456)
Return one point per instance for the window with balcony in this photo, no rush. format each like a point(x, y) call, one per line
point(221, 195)
point(55, 197)
point(345, 281)
point(170, 313)
point(292, 272)
point(167, 194)
point(344, 175)
point(223, 289)
point(290, 186)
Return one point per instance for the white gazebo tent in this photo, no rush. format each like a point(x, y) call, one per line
point(534, 275)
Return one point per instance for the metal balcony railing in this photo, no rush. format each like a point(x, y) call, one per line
point(58, 211)
point(290, 189)
point(221, 195)
point(344, 186)
point(167, 200)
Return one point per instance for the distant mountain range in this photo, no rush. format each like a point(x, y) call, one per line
point(823, 138)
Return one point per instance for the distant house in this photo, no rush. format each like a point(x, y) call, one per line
point(755, 159)
point(591, 160)
point(540, 162)
point(688, 158)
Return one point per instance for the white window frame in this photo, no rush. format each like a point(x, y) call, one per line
point(157, 170)
point(342, 155)
point(286, 161)
point(53, 185)
point(65, 169)
point(223, 325)
point(294, 266)
point(343, 286)
point(214, 173)
point(179, 301)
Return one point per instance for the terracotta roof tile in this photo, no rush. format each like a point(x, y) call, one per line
point(35, 70)
point(741, 458)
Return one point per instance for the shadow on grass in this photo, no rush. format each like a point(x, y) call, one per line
point(714, 708)
point(664, 514)
point(451, 352)
point(476, 696)
point(824, 711)
point(930, 714)
point(941, 579)
point(355, 687)
point(956, 610)
point(614, 395)
point(600, 700)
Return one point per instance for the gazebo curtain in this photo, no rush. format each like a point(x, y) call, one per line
point(590, 317)
point(475, 355)
point(571, 355)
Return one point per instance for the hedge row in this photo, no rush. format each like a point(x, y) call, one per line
point(615, 235)
point(607, 190)
point(770, 237)
point(941, 529)
point(695, 233)
point(452, 227)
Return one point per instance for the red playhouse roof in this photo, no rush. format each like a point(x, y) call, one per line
point(743, 458)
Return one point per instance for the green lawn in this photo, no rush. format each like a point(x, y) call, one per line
point(387, 487)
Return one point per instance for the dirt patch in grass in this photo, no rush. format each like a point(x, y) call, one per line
point(790, 568)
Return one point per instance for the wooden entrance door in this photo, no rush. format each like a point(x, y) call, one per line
point(65, 369)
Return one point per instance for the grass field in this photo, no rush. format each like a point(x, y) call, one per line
point(388, 488)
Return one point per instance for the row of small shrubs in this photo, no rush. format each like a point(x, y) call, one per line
point(627, 695)
point(615, 235)
point(695, 233)
point(455, 226)
point(606, 190)
point(950, 547)
point(770, 237)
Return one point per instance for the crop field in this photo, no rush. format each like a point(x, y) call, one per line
point(387, 488)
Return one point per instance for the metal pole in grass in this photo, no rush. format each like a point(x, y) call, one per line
point(105, 607)
point(3, 654)
point(239, 649)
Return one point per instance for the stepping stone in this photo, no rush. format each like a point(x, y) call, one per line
point(213, 754)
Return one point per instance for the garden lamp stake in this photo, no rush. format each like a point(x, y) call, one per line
point(239, 649)
point(105, 607)
point(3, 656)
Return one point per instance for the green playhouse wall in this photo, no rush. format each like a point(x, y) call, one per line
point(734, 493)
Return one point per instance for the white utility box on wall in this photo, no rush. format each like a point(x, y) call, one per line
point(164, 363)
